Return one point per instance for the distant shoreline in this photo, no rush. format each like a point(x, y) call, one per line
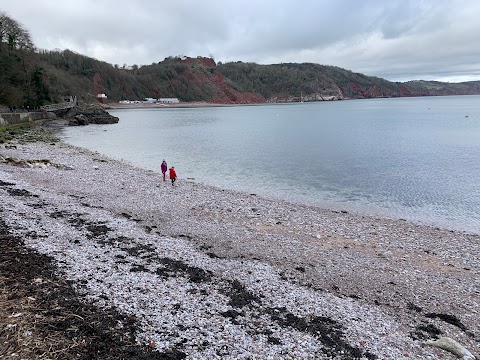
point(115, 106)
point(205, 104)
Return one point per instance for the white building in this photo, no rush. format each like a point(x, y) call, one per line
point(168, 100)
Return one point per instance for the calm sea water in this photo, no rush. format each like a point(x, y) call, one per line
point(411, 158)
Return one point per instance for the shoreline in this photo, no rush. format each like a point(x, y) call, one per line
point(257, 261)
point(431, 210)
point(180, 105)
point(116, 106)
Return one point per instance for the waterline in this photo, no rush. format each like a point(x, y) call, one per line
point(416, 159)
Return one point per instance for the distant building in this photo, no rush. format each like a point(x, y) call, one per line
point(132, 102)
point(168, 100)
point(150, 100)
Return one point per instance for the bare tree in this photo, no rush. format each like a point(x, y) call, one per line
point(14, 34)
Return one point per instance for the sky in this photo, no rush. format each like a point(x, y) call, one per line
point(398, 40)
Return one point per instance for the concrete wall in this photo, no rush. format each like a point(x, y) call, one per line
point(23, 118)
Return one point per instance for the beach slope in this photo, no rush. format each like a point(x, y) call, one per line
point(193, 271)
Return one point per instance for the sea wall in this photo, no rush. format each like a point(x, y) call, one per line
point(7, 119)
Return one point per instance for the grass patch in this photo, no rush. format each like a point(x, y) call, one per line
point(8, 133)
point(23, 133)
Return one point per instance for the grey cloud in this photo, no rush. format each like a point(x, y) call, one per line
point(391, 39)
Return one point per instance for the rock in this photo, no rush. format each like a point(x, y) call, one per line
point(50, 115)
point(84, 114)
point(79, 120)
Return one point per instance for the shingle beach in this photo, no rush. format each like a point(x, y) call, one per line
point(207, 273)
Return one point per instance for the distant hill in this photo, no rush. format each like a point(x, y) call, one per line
point(60, 73)
point(33, 78)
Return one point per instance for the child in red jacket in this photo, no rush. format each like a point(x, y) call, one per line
point(173, 174)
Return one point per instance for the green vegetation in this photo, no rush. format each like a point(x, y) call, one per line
point(30, 78)
point(10, 132)
point(283, 80)
point(21, 77)
point(440, 88)
point(24, 133)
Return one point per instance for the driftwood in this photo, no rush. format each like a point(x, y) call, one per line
point(452, 346)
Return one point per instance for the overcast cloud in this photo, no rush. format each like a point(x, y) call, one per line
point(395, 39)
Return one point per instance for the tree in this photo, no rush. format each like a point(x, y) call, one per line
point(14, 34)
point(39, 93)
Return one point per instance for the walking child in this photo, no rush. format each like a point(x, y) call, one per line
point(163, 167)
point(173, 174)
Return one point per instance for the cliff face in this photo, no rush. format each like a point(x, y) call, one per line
point(202, 73)
point(227, 94)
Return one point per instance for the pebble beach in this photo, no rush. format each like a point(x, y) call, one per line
point(216, 274)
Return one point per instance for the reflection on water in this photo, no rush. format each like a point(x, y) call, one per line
point(416, 158)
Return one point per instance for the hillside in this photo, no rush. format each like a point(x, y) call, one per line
point(60, 73)
point(202, 80)
point(30, 78)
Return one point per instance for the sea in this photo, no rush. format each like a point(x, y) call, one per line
point(416, 159)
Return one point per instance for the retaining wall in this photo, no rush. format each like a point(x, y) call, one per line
point(7, 119)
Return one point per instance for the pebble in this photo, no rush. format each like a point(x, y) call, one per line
point(215, 280)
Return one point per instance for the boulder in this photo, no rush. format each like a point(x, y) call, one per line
point(79, 120)
point(84, 114)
